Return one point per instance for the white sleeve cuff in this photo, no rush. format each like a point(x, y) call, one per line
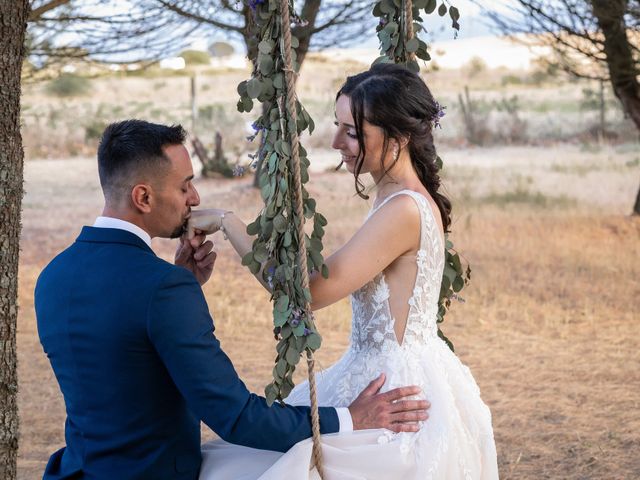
point(345, 420)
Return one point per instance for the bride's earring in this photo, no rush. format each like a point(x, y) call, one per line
point(396, 152)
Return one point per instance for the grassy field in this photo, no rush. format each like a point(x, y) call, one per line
point(549, 328)
point(550, 324)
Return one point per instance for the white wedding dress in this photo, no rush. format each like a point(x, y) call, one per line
point(456, 442)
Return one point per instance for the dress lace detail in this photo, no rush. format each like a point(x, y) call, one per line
point(457, 439)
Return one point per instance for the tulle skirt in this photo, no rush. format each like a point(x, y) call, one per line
point(456, 442)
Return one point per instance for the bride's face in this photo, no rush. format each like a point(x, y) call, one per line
point(346, 141)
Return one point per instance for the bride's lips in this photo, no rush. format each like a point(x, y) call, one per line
point(348, 158)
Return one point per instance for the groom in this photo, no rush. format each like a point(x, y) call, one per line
point(132, 343)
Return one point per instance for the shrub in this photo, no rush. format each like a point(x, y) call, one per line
point(475, 67)
point(68, 85)
point(196, 57)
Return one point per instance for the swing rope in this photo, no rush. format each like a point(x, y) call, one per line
point(298, 203)
point(408, 25)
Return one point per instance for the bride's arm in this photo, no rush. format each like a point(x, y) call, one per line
point(235, 230)
point(389, 233)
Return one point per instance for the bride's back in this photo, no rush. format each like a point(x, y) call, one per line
point(405, 294)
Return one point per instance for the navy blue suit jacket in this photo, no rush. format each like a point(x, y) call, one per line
point(132, 345)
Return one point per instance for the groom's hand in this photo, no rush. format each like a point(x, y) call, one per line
point(197, 256)
point(386, 410)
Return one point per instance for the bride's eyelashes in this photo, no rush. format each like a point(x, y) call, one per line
point(349, 134)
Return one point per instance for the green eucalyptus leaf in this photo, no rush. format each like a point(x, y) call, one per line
point(280, 223)
point(314, 341)
point(286, 239)
point(281, 367)
point(247, 104)
point(457, 284)
point(254, 267)
point(260, 253)
point(266, 46)
point(431, 6)
point(265, 65)
point(242, 88)
point(442, 10)
point(254, 88)
point(412, 45)
point(298, 330)
point(316, 257)
point(247, 259)
point(292, 355)
point(253, 229)
point(286, 332)
point(413, 66)
point(454, 13)
point(270, 393)
point(282, 304)
point(325, 271)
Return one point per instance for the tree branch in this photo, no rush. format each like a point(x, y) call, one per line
point(36, 13)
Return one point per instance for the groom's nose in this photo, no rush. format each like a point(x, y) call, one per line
point(194, 199)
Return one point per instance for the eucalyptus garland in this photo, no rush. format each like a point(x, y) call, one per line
point(275, 250)
point(398, 29)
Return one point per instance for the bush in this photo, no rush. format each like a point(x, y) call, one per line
point(196, 57)
point(475, 67)
point(68, 85)
point(94, 129)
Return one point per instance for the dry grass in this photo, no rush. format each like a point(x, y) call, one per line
point(549, 329)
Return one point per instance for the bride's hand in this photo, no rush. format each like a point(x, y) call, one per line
point(206, 221)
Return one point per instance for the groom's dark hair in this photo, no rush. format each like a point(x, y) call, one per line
point(131, 151)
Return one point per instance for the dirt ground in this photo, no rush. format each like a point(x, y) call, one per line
point(549, 328)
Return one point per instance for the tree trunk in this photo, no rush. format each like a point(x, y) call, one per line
point(13, 24)
point(622, 67)
point(620, 62)
point(309, 13)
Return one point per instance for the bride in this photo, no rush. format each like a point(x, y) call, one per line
point(392, 268)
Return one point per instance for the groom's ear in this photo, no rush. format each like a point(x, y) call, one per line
point(141, 197)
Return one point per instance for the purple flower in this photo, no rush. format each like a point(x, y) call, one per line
point(238, 171)
point(256, 126)
point(306, 332)
point(271, 271)
point(439, 114)
point(254, 3)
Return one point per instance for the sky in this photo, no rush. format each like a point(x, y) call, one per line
point(472, 24)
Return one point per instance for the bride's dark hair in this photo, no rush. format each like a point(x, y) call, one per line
point(397, 100)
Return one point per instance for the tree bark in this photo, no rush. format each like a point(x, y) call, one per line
point(13, 24)
point(620, 62)
point(309, 13)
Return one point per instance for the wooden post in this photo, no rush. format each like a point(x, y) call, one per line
point(194, 109)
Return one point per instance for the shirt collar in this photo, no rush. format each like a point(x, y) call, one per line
point(110, 222)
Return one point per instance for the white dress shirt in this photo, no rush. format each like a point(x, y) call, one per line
point(110, 222)
point(344, 416)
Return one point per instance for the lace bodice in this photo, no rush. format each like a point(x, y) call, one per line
point(457, 439)
point(372, 326)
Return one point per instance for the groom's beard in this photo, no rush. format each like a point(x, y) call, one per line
point(181, 229)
